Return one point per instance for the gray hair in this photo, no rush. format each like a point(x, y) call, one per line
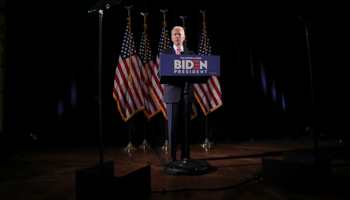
point(177, 27)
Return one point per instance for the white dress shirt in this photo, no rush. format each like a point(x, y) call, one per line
point(181, 48)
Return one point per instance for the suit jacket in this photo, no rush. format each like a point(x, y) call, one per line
point(172, 93)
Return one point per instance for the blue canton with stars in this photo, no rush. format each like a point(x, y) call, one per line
point(125, 47)
point(201, 50)
point(161, 41)
point(142, 50)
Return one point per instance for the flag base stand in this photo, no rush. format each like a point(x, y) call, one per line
point(130, 147)
point(188, 166)
point(206, 145)
point(165, 147)
point(145, 145)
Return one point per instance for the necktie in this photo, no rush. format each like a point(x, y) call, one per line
point(178, 51)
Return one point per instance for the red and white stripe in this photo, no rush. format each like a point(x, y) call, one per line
point(128, 94)
point(157, 88)
point(209, 95)
point(151, 105)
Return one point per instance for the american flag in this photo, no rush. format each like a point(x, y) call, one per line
point(209, 94)
point(151, 105)
point(127, 82)
point(157, 88)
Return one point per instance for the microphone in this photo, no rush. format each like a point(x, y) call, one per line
point(182, 52)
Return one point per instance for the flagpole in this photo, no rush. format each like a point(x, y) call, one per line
point(130, 147)
point(144, 143)
point(164, 25)
point(129, 19)
point(206, 144)
point(165, 147)
point(183, 25)
point(205, 32)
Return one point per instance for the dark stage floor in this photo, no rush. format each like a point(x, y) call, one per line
point(50, 173)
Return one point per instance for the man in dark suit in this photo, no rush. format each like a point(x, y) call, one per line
point(173, 97)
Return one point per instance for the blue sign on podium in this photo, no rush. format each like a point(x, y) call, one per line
point(191, 68)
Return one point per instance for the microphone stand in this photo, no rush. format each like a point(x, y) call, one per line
point(306, 25)
point(313, 130)
point(98, 7)
point(100, 90)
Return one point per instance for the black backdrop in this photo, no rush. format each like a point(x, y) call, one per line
point(52, 69)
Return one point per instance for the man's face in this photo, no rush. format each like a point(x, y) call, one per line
point(178, 37)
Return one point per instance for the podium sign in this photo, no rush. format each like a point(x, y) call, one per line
point(188, 68)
